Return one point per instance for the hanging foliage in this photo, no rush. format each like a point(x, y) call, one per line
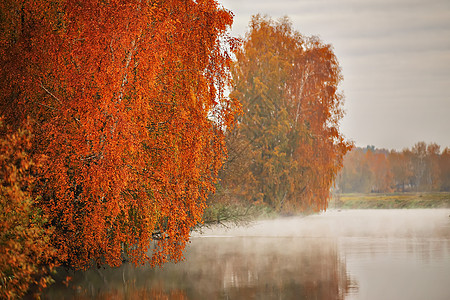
point(129, 107)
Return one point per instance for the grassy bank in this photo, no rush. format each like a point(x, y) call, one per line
point(394, 200)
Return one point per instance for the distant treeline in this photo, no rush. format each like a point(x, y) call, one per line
point(419, 169)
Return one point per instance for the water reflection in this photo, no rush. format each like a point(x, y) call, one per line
point(265, 268)
point(402, 254)
point(227, 268)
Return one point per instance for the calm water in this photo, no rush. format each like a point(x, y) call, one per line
point(354, 254)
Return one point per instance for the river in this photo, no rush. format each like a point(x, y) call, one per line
point(348, 254)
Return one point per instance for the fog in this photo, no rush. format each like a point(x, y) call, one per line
point(354, 254)
point(346, 223)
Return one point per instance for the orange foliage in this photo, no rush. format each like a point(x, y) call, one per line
point(422, 168)
point(288, 136)
point(128, 98)
point(381, 169)
point(401, 169)
point(25, 250)
point(444, 165)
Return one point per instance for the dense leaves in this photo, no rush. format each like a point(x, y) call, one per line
point(129, 107)
point(287, 148)
point(25, 250)
point(126, 100)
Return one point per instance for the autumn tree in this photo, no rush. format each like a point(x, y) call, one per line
point(425, 166)
point(356, 174)
point(129, 107)
point(419, 163)
point(422, 168)
point(26, 253)
point(401, 169)
point(287, 148)
point(381, 170)
point(444, 165)
point(433, 159)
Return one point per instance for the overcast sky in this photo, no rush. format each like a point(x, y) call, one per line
point(395, 58)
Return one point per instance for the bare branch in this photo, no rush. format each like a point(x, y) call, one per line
point(50, 93)
point(127, 64)
point(111, 49)
point(49, 107)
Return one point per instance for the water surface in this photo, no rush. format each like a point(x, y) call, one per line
point(351, 254)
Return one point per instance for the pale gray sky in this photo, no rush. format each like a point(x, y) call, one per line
point(395, 58)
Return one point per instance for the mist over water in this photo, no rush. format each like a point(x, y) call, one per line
point(353, 254)
point(346, 223)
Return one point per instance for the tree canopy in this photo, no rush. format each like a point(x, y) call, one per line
point(423, 168)
point(118, 120)
point(128, 104)
point(26, 252)
point(287, 148)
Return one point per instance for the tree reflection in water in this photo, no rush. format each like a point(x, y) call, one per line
point(354, 254)
point(225, 268)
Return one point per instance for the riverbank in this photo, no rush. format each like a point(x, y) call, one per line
point(392, 200)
